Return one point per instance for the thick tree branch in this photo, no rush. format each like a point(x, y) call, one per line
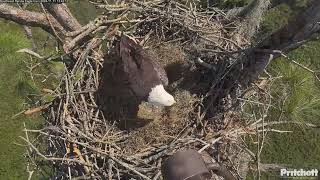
point(63, 15)
point(255, 5)
point(299, 30)
point(251, 16)
point(34, 19)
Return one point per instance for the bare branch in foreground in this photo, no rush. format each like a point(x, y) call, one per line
point(29, 18)
point(63, 15)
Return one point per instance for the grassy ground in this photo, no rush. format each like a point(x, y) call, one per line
point(14, 88)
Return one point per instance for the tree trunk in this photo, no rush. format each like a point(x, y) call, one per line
point(300, 29)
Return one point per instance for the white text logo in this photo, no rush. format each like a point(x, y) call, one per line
point(299, 173)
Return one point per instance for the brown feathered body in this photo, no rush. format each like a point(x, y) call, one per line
point(130, 70)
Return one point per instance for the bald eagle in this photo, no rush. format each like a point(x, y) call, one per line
point(131, 71)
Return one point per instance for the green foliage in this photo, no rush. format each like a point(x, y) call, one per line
point(84, 11)
point(294, 4)
point(279, 16)
point(298, 150)
point(296, 97)
point(296, 92)
point(14, 87)
point(275, 19)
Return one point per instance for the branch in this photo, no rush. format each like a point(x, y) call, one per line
point(254, 6)
point(34, 19)
point(299, 29)
point(63, 15)
point(302, 28)
point(272, 167)
point(252, 16)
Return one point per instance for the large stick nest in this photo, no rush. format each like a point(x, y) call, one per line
point(90, 138)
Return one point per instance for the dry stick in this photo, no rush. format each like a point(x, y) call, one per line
point(52, 27)
point(121, 163)
point(29, 172)
point(96, 150)
point(90, 28)
point(264, 133)
point(258, 147)
point(130, 168)
point(275, 130)
point(272, 167)
point(209, 144)
point(290, 122)
point(314, 73)
point(76, 108)
point(35, 110)
point(157, 176)
point(82, 29)
point(53, 158)
point(111, 162)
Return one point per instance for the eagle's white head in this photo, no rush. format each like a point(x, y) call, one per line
point(160, 97)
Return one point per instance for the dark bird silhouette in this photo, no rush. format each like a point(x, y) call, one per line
point(131, 71)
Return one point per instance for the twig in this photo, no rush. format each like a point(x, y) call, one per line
point(35, 110)
point(30, 52)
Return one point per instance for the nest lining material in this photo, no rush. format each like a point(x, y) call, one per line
point(150, 124)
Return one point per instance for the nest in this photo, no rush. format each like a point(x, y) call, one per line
point(197, 47)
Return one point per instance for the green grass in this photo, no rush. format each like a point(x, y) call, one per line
point(15, 86)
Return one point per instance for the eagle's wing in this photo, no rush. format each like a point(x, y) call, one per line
point(142, 58)
point(131, 66)
point(114, 80)
point(161, 73)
